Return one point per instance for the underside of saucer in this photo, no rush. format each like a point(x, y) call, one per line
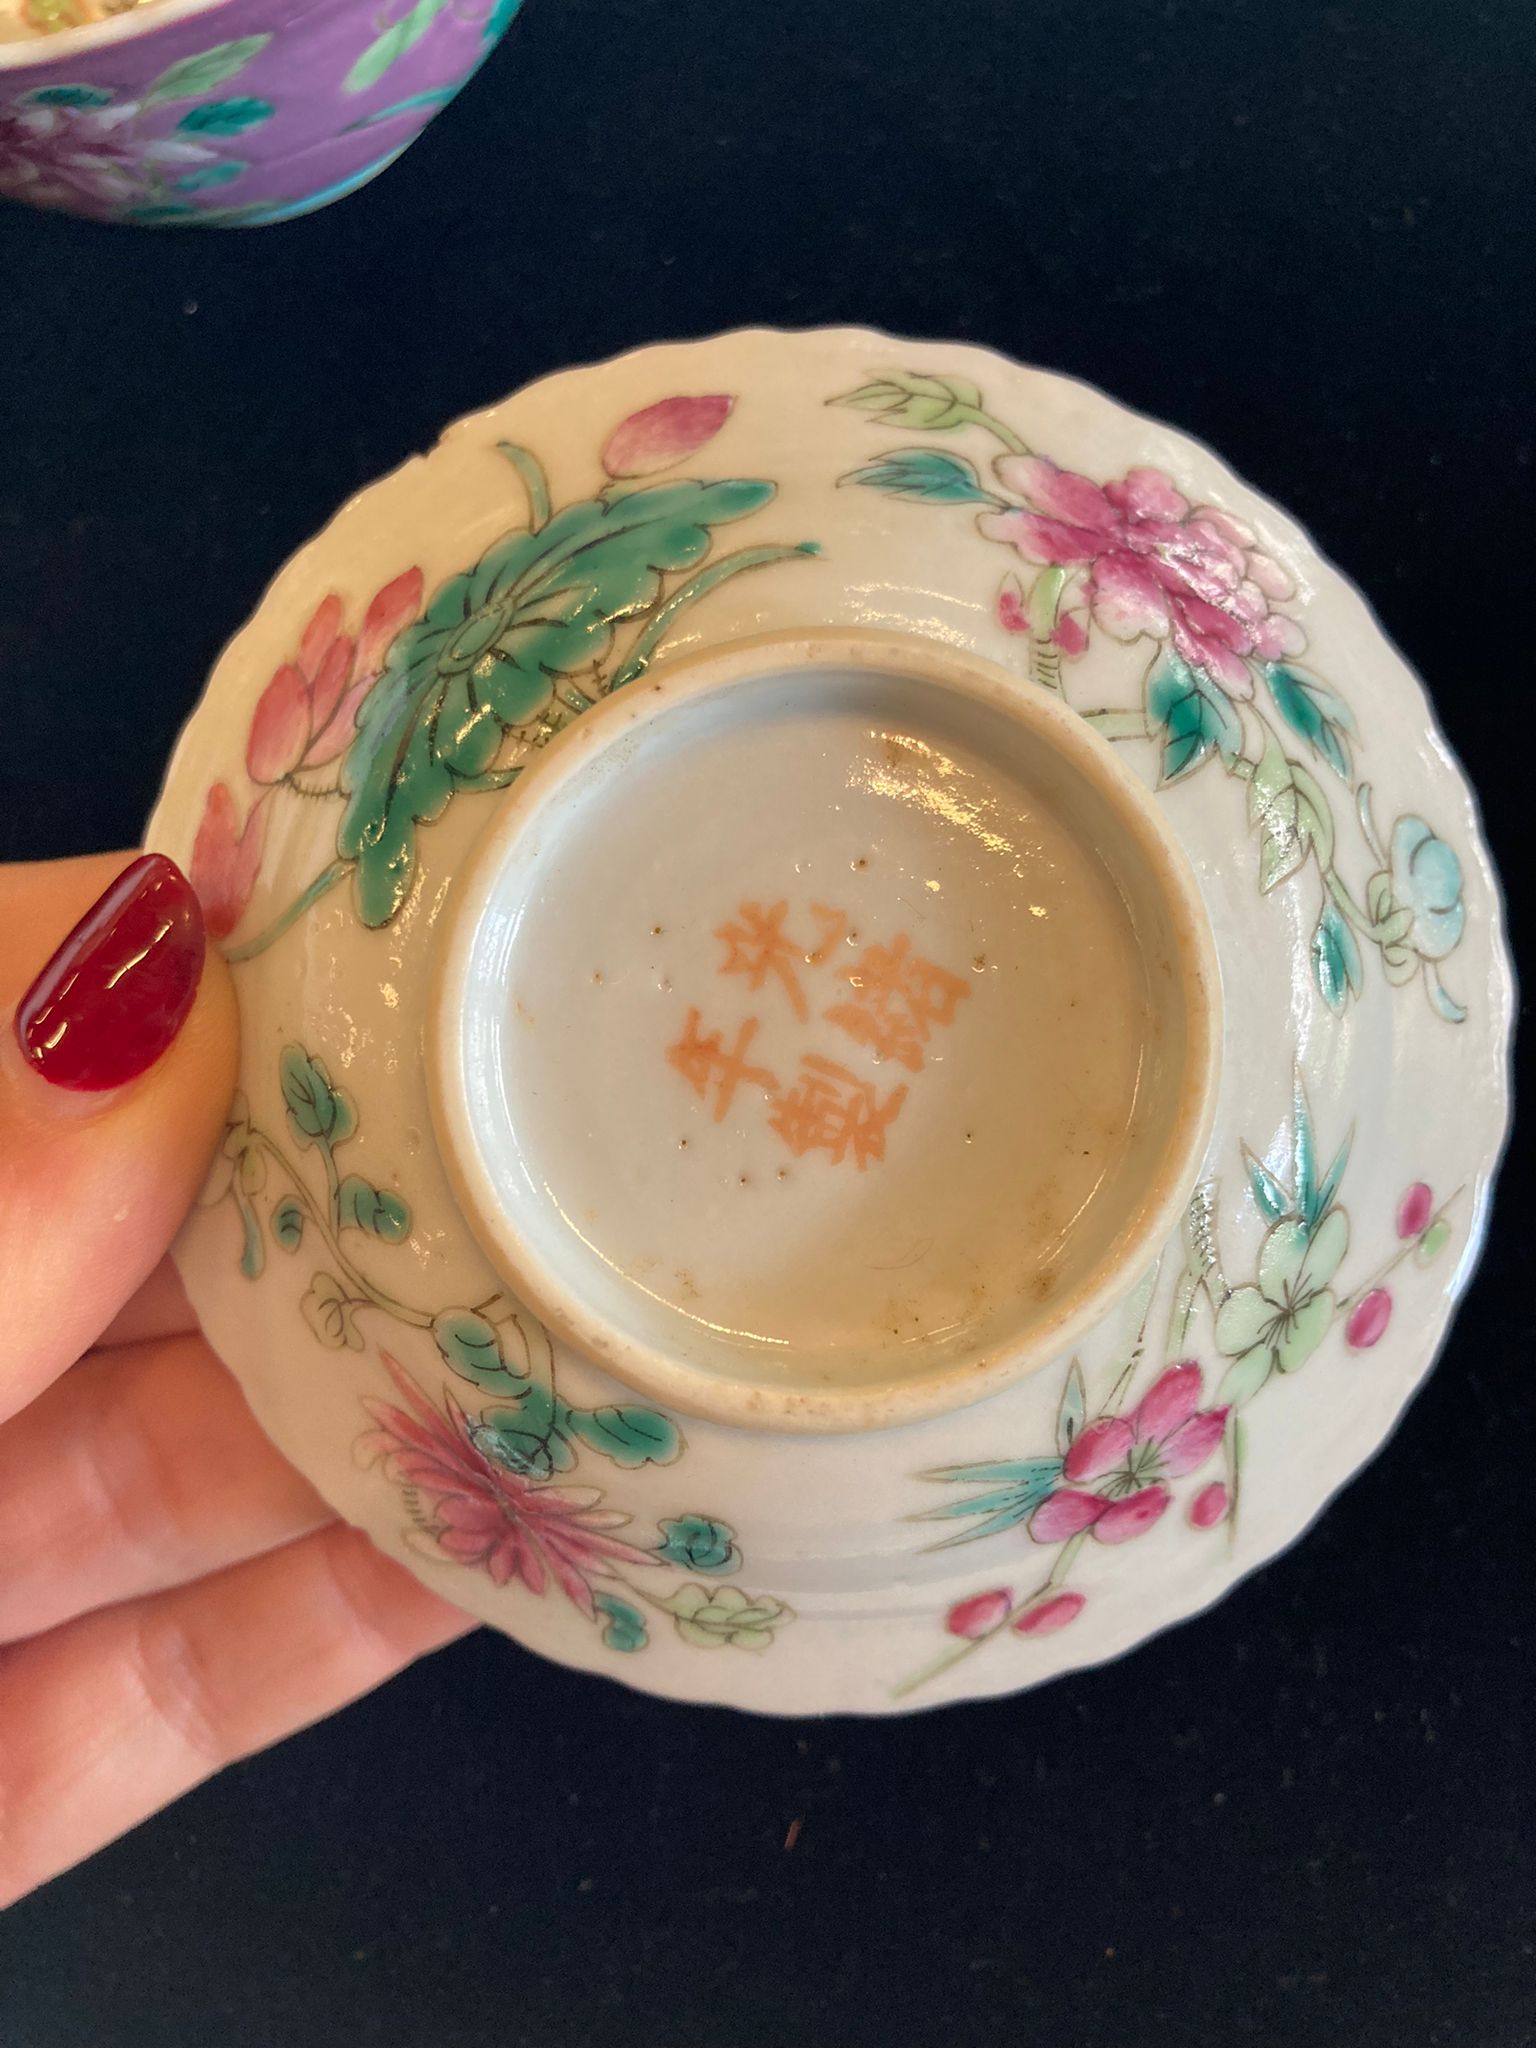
point(569, 1062)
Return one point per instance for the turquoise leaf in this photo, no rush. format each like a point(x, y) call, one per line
point(1197, 716)
point(225, 117)
point(924, 474)
point(1318, 714)
point(1336, 963)
point(208, 175)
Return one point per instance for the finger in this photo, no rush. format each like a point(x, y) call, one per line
point(141, 1469)
point(93, 1184)
point(159, 1309)
point(117, 1714)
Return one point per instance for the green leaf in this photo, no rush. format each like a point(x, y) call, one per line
point(696, 1543)
point(1318, 714)
point(714, 1618)
point(386, 49)
point(1336, 963)
point(1197, 716)
point(630, 1436)
point(924, 474)
point(626, 1625)
point(522, 1437)
point(1432, 1242)
point(319, 1113)
point(1016, 1488)
point(375, 1210)
point(484, 660)
point(907, 398)
point(1072, 1409)
point(415, 103)
point(209, 175)
point(210, 68)
point(709, 578)
point(1274, 809)
point(1303, 1148)
point(67, 96)
point(328, 1310)
point(225, 117)
point(1328, 1188)
point(1243, 1380)
point(471, 1347)
point(1268, 1193)
point(288, 1224)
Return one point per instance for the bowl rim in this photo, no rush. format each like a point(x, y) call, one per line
point(45, 51)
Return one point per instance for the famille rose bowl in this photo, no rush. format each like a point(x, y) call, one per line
point(230, 113)
point(874, 1021)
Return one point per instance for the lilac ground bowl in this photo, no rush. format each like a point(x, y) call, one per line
point(230, 113)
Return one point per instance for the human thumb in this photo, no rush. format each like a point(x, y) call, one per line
point(114, 1083)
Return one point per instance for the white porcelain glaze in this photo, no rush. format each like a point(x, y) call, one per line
point(896, 1066)
point(1195, 1427)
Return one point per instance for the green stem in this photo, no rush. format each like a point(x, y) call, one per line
point(323, 882)
point(958, 1652)
point(1044, 607)
point(1236, 1444)
point(364, 1288)
point(1010, 440)
point(1119, 725)
point(1403, 1251)
point(1359, 917)
point(529, 469)
point(645, 643)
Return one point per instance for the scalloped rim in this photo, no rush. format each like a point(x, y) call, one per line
point(1184, 1604)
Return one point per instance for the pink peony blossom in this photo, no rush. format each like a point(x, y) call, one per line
point(483, 1515)
point(1050, 1614)
point(1368, 1320)
point(225, 859)
point(1415, 1211)
point(979, 1615)
point(664, 433)
point(1209, 1506)
point(1188, 575)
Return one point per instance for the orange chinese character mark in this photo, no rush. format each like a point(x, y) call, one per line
point(758, 945)
point(898, 997)
point(830, 1110)
point(703, 1062)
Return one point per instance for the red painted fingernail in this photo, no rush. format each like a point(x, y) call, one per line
point(118, 990)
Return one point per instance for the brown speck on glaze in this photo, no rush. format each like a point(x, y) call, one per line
point(597, 974)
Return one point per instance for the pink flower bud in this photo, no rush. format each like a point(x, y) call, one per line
point(1414, 1211)
point(663, 433)
point(1209, 1506)
point(1125, 1520)
point(1368, 1319)
point(979, 1615)
point(1050, 1614)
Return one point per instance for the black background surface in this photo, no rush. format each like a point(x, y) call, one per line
point(1300, 232)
